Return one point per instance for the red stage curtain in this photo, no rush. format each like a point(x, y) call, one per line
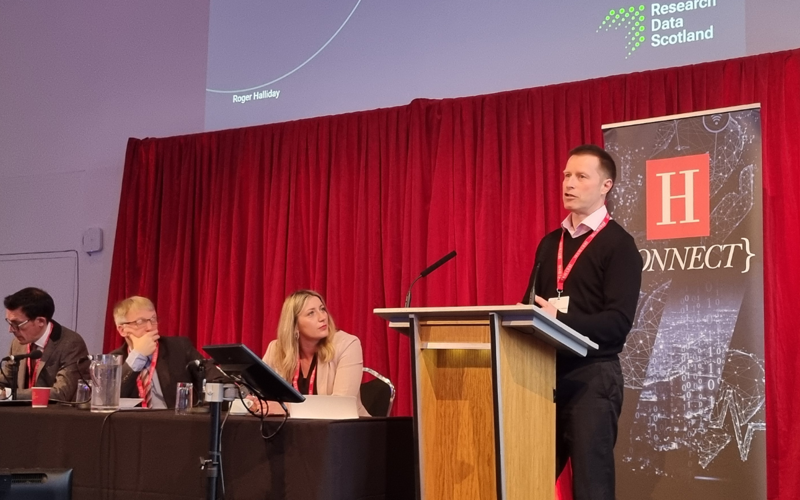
point(218, 227)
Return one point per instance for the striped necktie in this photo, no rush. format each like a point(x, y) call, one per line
point(146, 377)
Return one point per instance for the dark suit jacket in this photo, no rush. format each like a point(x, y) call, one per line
point(57, 367)
point(174, 353)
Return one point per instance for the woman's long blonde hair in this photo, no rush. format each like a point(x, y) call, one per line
point(288, 345)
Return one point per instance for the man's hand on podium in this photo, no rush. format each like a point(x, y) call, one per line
point(546, 306)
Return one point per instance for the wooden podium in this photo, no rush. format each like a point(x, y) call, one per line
point(483, 381)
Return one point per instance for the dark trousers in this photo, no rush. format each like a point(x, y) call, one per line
point(588, 404)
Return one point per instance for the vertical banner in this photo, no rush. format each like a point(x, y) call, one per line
point(689, 191)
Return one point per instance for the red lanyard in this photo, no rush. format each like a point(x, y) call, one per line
point(563, 273)
point(32, 366)
point(152, 367)
point(310, 380)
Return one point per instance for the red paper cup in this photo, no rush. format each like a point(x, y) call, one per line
point(40, 396)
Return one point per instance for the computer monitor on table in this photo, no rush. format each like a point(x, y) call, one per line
point(239, 361)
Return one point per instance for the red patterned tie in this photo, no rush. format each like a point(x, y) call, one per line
point(146, 376)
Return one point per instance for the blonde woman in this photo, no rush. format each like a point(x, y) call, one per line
point(311, 354)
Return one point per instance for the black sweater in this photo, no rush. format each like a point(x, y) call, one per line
point(603, 286)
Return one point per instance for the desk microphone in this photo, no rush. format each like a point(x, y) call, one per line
point(84, 359)
point(17, 357)
point(79, 404)
point(428, 270)
point(197, 368)
point(196, 364)
point(15, 368)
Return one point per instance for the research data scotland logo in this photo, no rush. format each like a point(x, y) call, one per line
point(669, 23)
point(631, 20)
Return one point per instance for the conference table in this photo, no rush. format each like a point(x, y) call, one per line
point(155, 454)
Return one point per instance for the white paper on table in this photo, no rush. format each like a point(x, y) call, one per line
point(130, 404)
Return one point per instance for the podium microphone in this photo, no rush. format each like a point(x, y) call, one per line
point(17, 357)
point(428, 270)
point(532, 299)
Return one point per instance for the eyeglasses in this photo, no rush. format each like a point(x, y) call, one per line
point(153, 320)
point(16, 326)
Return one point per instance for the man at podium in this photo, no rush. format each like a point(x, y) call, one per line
point(588, 274)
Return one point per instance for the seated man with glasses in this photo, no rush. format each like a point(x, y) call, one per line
point(154, 364)
point(29, 314)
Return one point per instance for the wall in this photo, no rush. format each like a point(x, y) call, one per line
point(76, 80)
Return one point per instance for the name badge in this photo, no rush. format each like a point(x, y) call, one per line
point(560, 303)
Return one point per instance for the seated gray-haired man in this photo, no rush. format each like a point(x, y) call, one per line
point(154, 364)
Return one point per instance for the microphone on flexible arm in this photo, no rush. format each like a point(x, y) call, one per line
point(14, 368)
point(197, 367)
point(84, 359)
point(82, 404)
point(532, 299)
point(428, 270)
point(16, 357)
point(196, 364)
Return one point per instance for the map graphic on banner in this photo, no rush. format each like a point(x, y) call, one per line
point(689, 191)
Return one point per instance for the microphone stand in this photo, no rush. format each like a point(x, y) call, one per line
point(201, 380)
point(215, 393)
point(14, 370)
point(408, 295)
point(214, 398)
point(197, 370)
point(532, 299)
